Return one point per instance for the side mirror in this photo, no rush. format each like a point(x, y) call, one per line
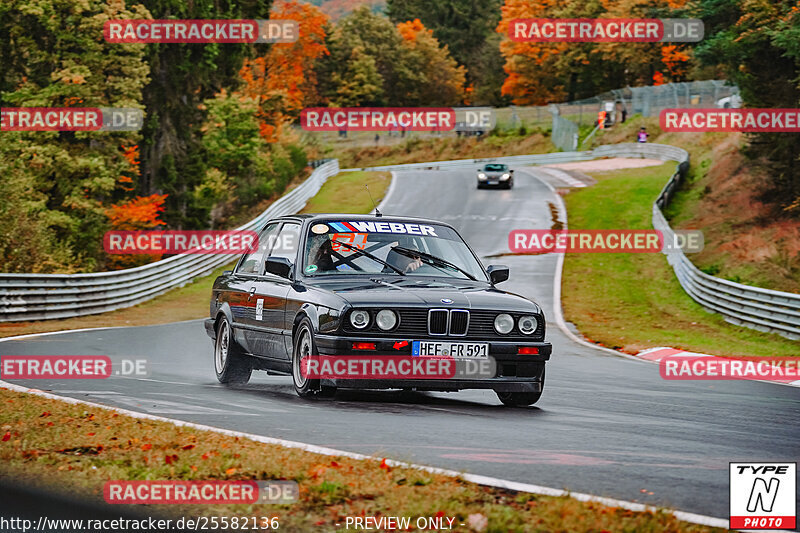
point(280, 266)
point(511, 171)
point(497, 273)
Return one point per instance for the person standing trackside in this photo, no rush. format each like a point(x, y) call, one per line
point(641, 137)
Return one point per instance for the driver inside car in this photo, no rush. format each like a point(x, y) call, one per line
point(404, 263)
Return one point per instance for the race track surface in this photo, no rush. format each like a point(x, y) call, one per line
point(605, 425)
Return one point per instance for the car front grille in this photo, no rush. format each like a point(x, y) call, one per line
point(466, 324)
point(437, 321)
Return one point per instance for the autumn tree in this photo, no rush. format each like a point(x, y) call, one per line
point(441, 79)
point(183, 76)
point(140, 213)
point(283, 81)
point(757, 45)
point(466, 27)
point(544, 72)
point(408, 64)
point(532, 78)
point(54, 186)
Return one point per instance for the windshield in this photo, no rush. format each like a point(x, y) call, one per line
point(495, 167)
point(338, 247)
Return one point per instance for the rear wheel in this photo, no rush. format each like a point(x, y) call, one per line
point(230, 363)
point(303, 345)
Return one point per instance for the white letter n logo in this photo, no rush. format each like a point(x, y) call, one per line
point(763, 494)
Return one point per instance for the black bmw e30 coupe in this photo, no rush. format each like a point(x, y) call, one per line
point(341, 285)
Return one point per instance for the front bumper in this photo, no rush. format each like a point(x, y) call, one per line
point(493, 180)
point(514, 372)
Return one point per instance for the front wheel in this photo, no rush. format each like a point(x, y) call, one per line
point(303, 345)
point(520, 399)
point(230, 363)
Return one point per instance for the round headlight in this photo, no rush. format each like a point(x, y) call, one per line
point(527, 324)
point(386, 319)
point(505, 176)
point(359, 319)
point(481, 175)
point(503, 323)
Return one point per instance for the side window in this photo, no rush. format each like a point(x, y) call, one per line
point(251, 264)
point(287, 241)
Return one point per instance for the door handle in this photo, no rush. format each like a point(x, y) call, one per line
point(252, 292)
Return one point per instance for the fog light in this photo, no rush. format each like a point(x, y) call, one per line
point(527, 350)
point(363, 345)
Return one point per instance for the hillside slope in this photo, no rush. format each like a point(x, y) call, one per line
point(746, 239)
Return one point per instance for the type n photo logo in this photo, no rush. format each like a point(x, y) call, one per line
point(763, 495)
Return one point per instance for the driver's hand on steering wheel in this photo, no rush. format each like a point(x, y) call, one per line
point(413, 265)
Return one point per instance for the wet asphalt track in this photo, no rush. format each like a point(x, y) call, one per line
point(605, 425)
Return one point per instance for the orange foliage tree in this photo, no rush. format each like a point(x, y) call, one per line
point(140, 213)
point(529, 66)
point(644, 60)
point(283, 81)
point(538, 73)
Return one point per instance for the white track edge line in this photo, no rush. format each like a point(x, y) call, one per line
point(474, 478)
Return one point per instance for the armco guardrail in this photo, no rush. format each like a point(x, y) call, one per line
point(754, 307)
point(48, 296)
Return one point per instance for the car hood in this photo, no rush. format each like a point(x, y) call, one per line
point(416, 292)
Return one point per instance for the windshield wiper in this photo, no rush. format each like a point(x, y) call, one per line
point(371, 256)
point(432, 259)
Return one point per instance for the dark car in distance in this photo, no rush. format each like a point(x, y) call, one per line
point(341, 285)
point(495, 175)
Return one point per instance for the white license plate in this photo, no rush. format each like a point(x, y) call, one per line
point(492, 182)
point(466, 350)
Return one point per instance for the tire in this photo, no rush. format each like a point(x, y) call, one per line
point(231, 365)
point(479, 185)
point(520, 399)
point(303, 344)
point(510, 184)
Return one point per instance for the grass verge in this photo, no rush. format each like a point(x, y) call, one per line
point(342, 193)
point(631, 302)
point(346, 193)
point(78, 448)
point(747, 239)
